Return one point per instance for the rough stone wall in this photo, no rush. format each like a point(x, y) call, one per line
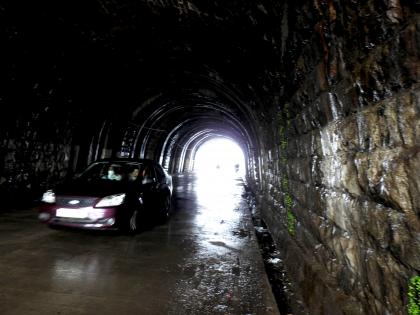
point(35, 152)
point(53, 94)
point(341, 179)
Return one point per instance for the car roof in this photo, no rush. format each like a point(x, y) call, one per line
point(125, 160)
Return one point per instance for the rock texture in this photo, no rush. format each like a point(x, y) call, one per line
point(34, 154)
point(342, 180)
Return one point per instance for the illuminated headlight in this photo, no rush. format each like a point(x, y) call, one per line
point(48, 196)
point(111, 201)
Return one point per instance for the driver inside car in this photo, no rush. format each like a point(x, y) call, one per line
point(112, 174)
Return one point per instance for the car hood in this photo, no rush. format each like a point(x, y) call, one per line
point(99, 188)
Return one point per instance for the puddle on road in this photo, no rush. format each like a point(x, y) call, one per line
point(220, 274)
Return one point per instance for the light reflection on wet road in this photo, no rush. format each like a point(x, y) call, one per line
point(205, 260)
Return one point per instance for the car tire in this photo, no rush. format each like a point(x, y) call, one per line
point(165, 210)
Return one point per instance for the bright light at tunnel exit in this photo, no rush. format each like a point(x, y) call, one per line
point(220, 157)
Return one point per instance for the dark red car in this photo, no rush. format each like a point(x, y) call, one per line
point(110, 194)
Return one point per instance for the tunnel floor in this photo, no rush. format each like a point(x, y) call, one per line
point(205, 260)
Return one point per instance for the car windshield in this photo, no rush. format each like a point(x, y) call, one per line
point(113, 171)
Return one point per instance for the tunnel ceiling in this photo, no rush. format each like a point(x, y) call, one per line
point(164, 65)
point(171, 69)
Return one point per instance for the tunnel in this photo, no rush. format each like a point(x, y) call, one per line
point(322, 97)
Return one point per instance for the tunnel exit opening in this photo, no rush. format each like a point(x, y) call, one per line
point(219, 166)
point(220, 157)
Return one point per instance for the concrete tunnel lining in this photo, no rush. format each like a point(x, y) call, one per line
point(183, 139)
point(190, 112)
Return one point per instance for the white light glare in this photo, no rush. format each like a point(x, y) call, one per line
point(48, 196)
point(220, 155)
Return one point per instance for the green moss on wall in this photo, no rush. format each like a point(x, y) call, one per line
point(284, 123)
point(414, 296)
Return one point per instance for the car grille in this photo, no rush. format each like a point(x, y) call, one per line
point(73, 220)
point(83, 201)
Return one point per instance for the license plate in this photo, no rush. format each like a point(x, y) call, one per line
point(72, 213)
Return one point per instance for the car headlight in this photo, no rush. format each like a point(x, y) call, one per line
point(111, 201)
point(48, 196)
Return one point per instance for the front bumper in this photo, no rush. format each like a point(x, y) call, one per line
point(83, 218)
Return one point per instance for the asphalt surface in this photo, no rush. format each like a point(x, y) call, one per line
point(205, 260)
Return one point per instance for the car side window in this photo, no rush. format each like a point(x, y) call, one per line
point(148, 174)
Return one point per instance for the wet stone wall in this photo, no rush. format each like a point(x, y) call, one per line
point(34, 153)
point(341, 180)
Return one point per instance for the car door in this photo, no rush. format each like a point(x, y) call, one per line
point(134, 185)
point(150, 187)
point(164, 179)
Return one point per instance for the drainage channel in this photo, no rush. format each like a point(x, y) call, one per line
point(274, 267)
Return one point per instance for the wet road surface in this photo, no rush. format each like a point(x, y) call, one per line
point(205, 260)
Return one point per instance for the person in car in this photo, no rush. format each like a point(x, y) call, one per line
point(134, 174)
point(112, 173)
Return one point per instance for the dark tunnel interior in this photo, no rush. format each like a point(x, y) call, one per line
point(322, 97)
point(136, 79)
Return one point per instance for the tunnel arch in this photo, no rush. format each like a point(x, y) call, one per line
point(201, 105)
point(208, 138)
